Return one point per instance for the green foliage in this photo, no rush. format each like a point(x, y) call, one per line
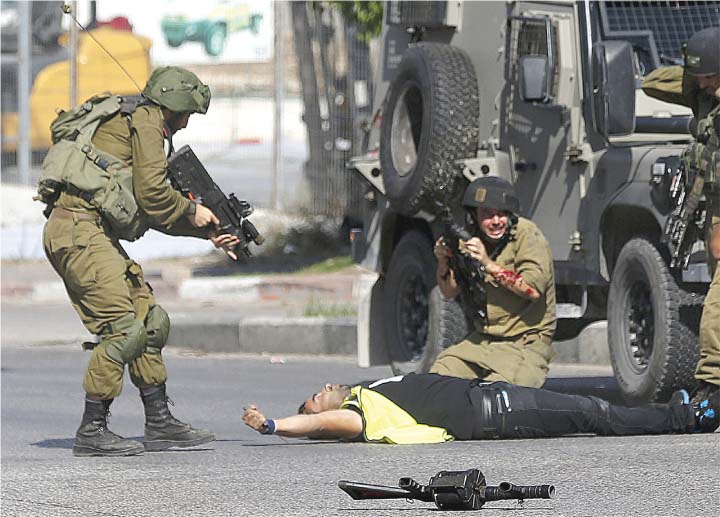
point(368, 16)
point(316, 308)
point(330, 265)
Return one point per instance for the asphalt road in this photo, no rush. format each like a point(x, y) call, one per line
point(244, 473)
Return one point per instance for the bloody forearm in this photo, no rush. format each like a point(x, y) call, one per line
point(512, 282)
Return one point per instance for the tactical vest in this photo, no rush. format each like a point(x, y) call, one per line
point(386, 422)
point(75, 165)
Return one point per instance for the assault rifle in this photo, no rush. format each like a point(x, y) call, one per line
point(469, 273)
point(190, 177)
point(449, 490)
point(684, 224)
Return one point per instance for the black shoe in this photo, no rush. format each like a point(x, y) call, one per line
point(162, 430)
point(707, 413)
point(679, 398)
point(703, 392)
point(93, 438)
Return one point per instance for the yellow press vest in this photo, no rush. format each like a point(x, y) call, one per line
point(385, 422)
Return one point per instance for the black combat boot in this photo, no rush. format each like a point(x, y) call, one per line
point(162, 430)
point(93, 438)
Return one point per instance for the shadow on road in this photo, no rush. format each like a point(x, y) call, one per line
point(518, 507)
point(55, 443)
point(67, 443)
point(304, 442)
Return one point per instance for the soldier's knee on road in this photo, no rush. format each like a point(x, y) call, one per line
point(132, 340)
point(157, 327)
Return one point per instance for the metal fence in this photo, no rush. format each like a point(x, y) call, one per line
point(337, 94)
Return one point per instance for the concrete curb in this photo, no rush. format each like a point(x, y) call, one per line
point(325, 336)
point(337, 336)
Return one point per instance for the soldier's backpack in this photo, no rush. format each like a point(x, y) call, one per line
point(75, 165)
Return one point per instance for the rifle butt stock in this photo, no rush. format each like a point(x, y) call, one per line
point(361, 491)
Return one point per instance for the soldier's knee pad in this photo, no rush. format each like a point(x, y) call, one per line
point(157, 326)
point(132, 342)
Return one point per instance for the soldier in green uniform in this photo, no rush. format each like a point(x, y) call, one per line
point(515, 345)
point(107, 288)
point(697, 85)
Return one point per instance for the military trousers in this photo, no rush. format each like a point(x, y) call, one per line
point(522, 360)
point(708, 368)
point(105, 287)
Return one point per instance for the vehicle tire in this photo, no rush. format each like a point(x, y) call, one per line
point(653, 351)
point(174, 43)
point(430, 121)
point(418, 321)
point(215, 41)
point(447, 326)
point(410, 278)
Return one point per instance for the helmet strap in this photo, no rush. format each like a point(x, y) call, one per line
point(168, 133)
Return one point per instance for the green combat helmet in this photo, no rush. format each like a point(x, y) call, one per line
point(178, 90)
point(702, 52)
point(491, 192)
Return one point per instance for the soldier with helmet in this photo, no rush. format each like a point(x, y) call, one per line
point(697, 85)
point(515, 345)
point(106, 287)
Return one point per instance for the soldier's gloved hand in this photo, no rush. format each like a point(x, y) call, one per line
point(203, 216)
point(226, 242)
point(254, 418)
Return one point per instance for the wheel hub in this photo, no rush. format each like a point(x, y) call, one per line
point(406, 128)
point(641, 326)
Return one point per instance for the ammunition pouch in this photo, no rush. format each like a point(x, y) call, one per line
point(100, 179)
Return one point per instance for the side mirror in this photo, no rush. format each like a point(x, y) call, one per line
point(613, 84)
point(534, 78)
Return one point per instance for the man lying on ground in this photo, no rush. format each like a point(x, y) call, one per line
point(431, 408)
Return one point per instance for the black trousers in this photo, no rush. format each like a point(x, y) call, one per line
point(503, 410)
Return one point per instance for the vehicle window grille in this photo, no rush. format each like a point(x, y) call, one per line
point(528, 37)
point(656, 29)
point(417, 13)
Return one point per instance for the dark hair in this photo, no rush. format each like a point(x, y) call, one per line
point(301, 409)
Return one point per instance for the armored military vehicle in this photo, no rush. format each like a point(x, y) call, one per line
point(545, 94)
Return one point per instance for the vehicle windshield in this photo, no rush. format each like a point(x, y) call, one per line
point(657, 30)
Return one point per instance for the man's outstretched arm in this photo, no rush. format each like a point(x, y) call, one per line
point(336, 423)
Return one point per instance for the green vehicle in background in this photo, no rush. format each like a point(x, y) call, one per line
point(211, 31)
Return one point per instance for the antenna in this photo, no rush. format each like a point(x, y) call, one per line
point(67, 10)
